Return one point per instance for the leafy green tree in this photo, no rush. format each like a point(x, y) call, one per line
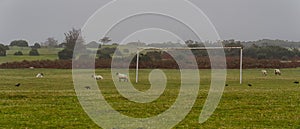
point(3, 49)
point(200, 52)
point(189, 42)
point(36, 46)
point(105, 40)
point(261, 56)
point(65, 54)
point(269, 52)
point(19, 43)
point(104, 56)
point(251, 52)
point(296, 52)
point(6, 47)
point(34, 52)
point(195, 45)
point(105, 53)
point(232, 43)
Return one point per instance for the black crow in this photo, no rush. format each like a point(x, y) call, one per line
point(18, 84)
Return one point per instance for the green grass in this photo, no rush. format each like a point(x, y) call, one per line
point(25, 50)
point(12, 58)
point(51, 102)
point(45, 54)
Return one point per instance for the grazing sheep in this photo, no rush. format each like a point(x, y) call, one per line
point(277, 72)
point(264, 72)
point(97, 77)
point(39, 75)
point(31, 67)
point(122, 77)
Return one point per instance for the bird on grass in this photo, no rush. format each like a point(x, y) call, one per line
point(296, 82)
point(249, 84)
point(87, 87)
point(226, 85)
point(18, 84)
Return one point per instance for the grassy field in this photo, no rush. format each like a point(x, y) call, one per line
point(25, 50)
point(45, 54)
point(12, 58)
point(51, 102)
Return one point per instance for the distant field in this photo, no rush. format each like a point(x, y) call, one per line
point(12, 58)
point(51, 102)
point(45, 54)
point(42, 51)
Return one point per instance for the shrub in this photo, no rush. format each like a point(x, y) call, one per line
point(65, 54)
point(34, 52)
point(18, 53)
point(2, 50)
point(36, 46)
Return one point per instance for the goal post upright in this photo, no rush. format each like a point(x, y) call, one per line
point(137, 66)
point(241, 66)
point(139, 49)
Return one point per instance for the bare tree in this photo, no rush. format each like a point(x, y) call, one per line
point(72, 37)
point(51, 42)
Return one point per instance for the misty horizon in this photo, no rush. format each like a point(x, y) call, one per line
point(250, 20)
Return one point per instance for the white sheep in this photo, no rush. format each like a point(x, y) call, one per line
point(264, 72)
point(122, 77)
point(39, 75)
point(97, 77)
point(277, 72)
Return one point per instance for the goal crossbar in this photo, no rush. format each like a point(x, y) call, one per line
point(139, 49)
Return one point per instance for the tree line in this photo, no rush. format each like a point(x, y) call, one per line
point(268, 50)
point(261, 49)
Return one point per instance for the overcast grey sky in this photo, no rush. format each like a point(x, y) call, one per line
point(36, 20)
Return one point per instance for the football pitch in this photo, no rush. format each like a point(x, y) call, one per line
point(51, 102)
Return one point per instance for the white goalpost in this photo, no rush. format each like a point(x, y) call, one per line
point(185, 48)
